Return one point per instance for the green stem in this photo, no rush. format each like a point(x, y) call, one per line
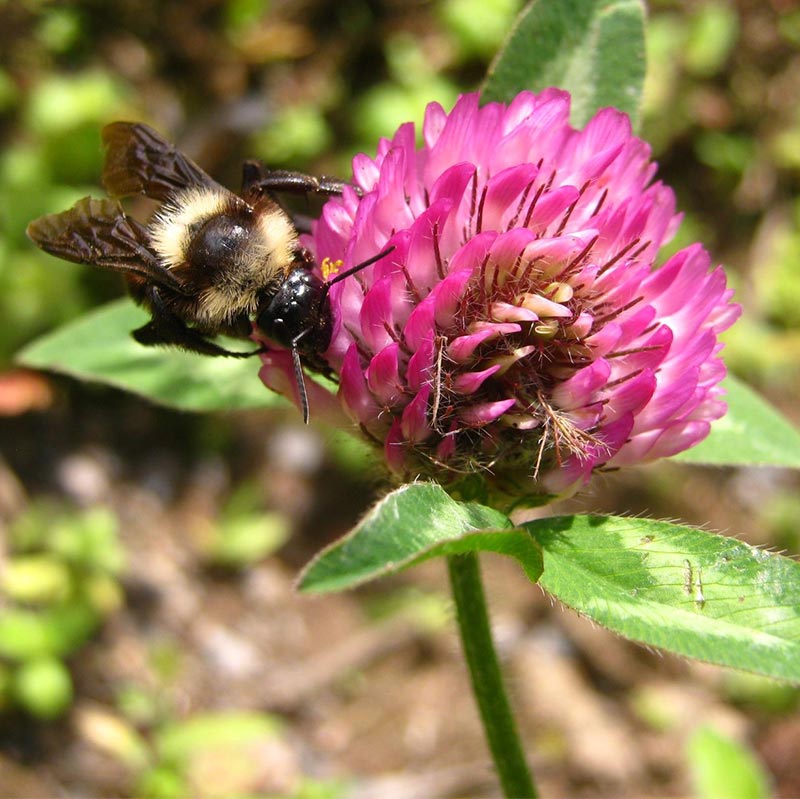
point(487, 681)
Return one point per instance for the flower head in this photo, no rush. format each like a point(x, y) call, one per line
point(519, 326)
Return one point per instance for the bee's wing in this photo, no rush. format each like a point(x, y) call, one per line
point(98, 232)
point(139, 161)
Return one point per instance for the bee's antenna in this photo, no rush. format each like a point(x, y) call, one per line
point(299, 377)
point(357, 268)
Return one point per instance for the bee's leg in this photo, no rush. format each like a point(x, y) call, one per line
point(167, 329)
point(258, 180)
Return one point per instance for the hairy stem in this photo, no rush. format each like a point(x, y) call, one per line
point(487, 681)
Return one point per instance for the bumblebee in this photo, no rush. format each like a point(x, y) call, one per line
point(210, 261)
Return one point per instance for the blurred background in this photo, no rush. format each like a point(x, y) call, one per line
point(151, 644)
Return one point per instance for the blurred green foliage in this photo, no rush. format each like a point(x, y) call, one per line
point(722, 768)
point(426, 610)
point(58, 582)
point(780, 518)
point(478, 27)
point(727, 138)
point(298, 133)
point(244, 533)
point(43, 687)
point(760, 693)
point(205, 755)
point(53, 160)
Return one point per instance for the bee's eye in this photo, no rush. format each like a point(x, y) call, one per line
point(218, 241)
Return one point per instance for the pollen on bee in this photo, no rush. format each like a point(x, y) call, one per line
point(329, 267)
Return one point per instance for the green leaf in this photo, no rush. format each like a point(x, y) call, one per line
point(752, 433)
point(592, 48)
point(685, 590)
point(413, 523)
point(99, 347)
point(724, 769)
